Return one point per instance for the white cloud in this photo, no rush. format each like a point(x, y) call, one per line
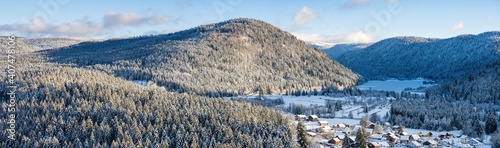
point(113, 19)
point(353, 37)
point(82, 28)
point(304, 15)
point(458, 26)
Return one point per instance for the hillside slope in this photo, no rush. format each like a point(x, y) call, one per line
point(412, 57)
point(232, 57)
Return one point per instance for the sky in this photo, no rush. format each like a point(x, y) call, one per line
point(331, 22)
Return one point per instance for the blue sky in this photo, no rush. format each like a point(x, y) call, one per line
point(339, 21)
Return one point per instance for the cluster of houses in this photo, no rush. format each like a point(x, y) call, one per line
point(391, 137)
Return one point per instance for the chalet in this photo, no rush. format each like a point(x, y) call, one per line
point(341, 126)
point(341, 137)
point(312, 118)
point(372, 126)
point(431, 143)
point(323, 123)
point(464, 138)
point(429, 134)
point(445, 135)
point(414, 144)
point(420, 134)
point(352, 140)
point(474, 142)
point(395, 128)
point(335, 141)
point(404, 139)
point(377, 137)
point(300, 117)
point(324, 129)
point(373, 145)
point(404, 134)
point(414, 138)
point(391, 138)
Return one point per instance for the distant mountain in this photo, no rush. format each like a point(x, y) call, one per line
point(320, 45)
point(237, 56)
point(339, 49)
point(50, 43)
point(412, 57)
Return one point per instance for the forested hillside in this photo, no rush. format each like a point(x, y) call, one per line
point(50, 43)
point(339, 49)
point(469, 103)
point(75, 107)
point(238, 56)
point(412, 57)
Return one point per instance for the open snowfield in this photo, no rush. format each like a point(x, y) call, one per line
point(393, 85)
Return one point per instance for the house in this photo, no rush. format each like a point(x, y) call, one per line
point(404, 134)
point(372, 126)
point(464, 139)
point(323, 123)
point(420, 134)
point(341, 137)
point(300, 117)
point(404, 139)
point(414, 138)
point(341, 126)
point(414, 144)
point(335, 141)
point(373, 145)
point(429, 134)
point(312, 118)
point(474, 142)
point(391, 138)
point(324, 129)
point(377, 137)
point(445, 135)
point(430, 143)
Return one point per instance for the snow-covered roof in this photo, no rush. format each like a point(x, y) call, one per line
point(404, 133)
point(432, 142)
point(415, 137)
point(302, 116)
point(405, 138)
point(311, 134)
point(415, 143)
point(376, 136)
point(313, 116)
point(336, 139)
point(341, 125)
point(323, 122)
point(383, 144)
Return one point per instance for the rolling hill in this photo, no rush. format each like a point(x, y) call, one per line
point(237, 56)
point(413, 57)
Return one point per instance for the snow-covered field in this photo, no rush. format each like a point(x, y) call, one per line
point(393, 85)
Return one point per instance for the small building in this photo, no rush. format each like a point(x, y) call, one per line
point(404, 139)
point(429, 134)
point(373, 145)
point(324, 129)
point(340, 126)
point(312, 118)
point(404, 134)
point(323, 123)
point(474, 142)
point(391, 138)
point(300, 117)
point(431, 143)
point(341, 137)
point(335, 141)
point(377, 137)
point(414, 138)
point(414, 144)
point(372, 126)
point(464, 139)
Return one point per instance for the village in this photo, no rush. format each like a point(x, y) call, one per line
point(322, 133)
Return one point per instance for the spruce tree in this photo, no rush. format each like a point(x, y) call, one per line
point(346, 143)
point(301, 133)
point(360, 138)
point(491, 123)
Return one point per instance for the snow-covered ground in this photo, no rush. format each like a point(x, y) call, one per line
point(393, 85)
